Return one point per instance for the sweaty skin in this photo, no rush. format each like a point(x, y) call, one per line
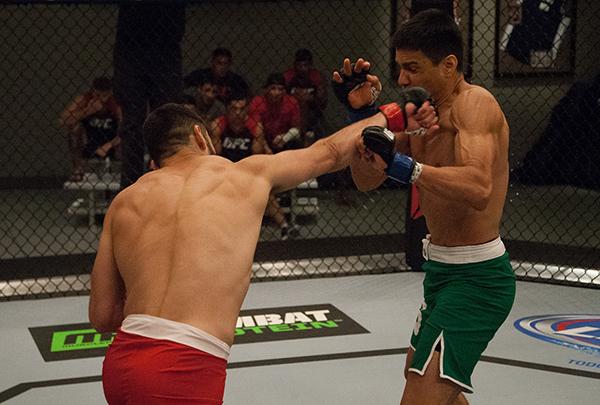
point(179, 243)
point(465, 167)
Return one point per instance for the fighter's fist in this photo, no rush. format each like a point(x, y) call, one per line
point(400, 167)
point(381, 141)
point(354, 86)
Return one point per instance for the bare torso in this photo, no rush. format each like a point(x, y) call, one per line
point(183, 249)
point(451, 222)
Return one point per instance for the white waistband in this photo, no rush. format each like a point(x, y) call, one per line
point(160, 328)
point(463, 254)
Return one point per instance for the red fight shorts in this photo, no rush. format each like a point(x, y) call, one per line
point(145, 370)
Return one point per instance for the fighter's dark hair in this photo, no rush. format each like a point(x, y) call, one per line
point(432, 32)
point(168, 128)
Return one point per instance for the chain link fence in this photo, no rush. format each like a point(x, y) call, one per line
point(64, 157)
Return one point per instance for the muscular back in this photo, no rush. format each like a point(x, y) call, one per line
point(183, 249)
point(179, 243)
point(473, 135)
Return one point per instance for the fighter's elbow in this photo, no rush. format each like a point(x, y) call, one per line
point(103, 328)
point(101, 324)
point(365, 181)
point(105, 321)
point(363, 186)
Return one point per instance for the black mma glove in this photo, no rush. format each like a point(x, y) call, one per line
point(400, 167)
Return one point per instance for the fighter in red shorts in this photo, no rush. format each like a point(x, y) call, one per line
point(175, 255)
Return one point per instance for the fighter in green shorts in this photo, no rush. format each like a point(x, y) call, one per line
point(468, 291)
point(459, 165)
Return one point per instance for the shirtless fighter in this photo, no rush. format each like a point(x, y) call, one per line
point(461, 172)
point(175, 255)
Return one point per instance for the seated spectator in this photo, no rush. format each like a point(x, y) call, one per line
point(305, 83)
point(226, 81)
point(279, 114)
point(204, 98)
point(92, 120)
point(236, 136)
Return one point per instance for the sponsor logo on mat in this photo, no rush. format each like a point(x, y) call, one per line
point(575, 331)
point(80, 340)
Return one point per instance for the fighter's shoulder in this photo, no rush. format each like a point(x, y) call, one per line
point(474, 95)
point(132, 192)
point(120, 202)
point(475, 102)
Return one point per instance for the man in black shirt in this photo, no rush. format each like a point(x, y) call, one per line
point(227, 82)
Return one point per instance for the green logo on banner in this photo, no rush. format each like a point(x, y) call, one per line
point(83, 339)
point(76, 341)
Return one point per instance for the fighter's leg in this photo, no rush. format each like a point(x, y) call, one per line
point(430, 388)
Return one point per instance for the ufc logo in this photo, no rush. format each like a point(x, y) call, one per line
point(236, 143)
point(103, 123)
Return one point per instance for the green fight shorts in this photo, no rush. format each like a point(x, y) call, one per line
point(464, 306)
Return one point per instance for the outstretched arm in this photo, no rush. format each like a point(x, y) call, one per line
point(287, 169)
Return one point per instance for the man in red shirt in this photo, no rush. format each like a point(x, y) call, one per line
point(279, 114)
point(92, 120)
point(305, 83)
point(236, 136)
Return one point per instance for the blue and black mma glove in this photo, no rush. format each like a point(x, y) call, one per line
point(400, 167)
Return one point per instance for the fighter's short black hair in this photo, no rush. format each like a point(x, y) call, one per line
point(432, 32)
point(168, 128)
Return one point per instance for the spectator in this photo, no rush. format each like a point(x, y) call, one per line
point(236, 136)
point(147, 63)
point(306, 84)
point(227, 82)
point(92, 120)
point(204, 101)
point(279, 114)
